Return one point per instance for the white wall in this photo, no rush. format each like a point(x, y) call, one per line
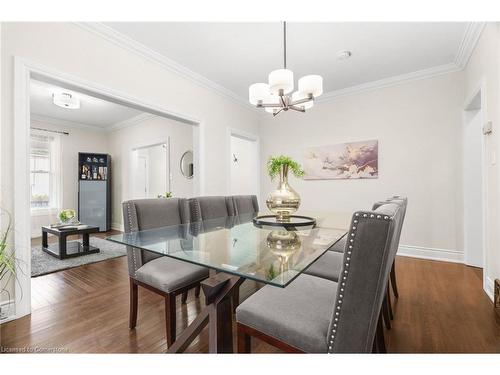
point(417, 126)
point(245, 172)
point(151, 131)
point(78, 140)
point(483, 68)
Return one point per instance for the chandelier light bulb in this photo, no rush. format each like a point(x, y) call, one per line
point(311, 84)
point(281, 79)
point(258, 92)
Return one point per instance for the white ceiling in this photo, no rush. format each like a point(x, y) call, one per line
point(235, 55)
point(93, 111)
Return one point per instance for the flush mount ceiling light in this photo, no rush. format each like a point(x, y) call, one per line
point(276, 96)
point(65, 100)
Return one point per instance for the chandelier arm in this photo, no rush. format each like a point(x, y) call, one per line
point(298, 109)
point(265, 105)
point(305, 100)
point(277, 112)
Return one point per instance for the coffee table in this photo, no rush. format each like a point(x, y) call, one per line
point(64, 249)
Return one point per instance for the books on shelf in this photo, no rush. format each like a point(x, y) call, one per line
point(93, 167)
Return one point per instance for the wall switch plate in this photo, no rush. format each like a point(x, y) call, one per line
point(493, 157)
point(487, 128)
point(497, 294)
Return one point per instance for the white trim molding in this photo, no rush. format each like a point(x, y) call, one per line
point(443, 255)
point(35, 118)
point(136, 120)
point(469, 41)
point(123, 41)
point(465, 49)
point(489, 288)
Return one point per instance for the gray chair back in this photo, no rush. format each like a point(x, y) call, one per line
point(369, 253)
point(403, 202)
point(210, 207)
point(245, 204)
point(141, 214)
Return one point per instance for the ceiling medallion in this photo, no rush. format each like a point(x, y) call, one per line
point(276, 96)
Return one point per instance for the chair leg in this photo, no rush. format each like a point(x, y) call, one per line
point(236, 298)
point(197, 291)
point(393, 279)
point(170, 318)
point(379, 337)
point(133, 304)
point(184, 296)
point(244, 341)
point(385, 314)
point(389, 304)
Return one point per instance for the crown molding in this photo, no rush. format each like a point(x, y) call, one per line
point(468, 43)
point(65, 123)
point(466, 48)
point(136, 120)
point(123, 41)
point(390, 81)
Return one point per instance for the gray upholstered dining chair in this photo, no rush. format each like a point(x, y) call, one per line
point(317, 315)
point(245, 204)
point(210, 207)
point(329, 265)
point(165, 276)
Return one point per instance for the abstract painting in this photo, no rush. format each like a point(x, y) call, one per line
point(351, 160)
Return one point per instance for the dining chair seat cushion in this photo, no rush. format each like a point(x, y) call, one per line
point(298, 314)
point(328, 266)
point(168, 274)
point(339, 246)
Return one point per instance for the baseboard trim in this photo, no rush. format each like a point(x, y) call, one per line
point(488, 288)
point(429, 253)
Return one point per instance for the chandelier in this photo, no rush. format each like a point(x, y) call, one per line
point(276, 96)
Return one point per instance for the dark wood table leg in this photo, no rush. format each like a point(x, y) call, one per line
point(45, 242)
point(85, 239)
point(62, 246)
point(218, 313)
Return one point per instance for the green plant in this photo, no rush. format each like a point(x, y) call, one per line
point(66, 215)
point(167, 194)
point(275, 162)
point(7, 257)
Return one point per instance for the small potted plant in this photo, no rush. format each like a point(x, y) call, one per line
point(67, 216)
point(284, 200)
point(7, 263)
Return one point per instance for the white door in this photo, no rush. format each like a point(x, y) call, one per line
point(244, 166)
point(473, 190)
point(141, 177)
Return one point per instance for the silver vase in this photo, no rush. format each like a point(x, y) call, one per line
point(283, 201)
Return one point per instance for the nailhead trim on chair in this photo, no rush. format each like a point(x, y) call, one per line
point(134, 260)
point(343, 280)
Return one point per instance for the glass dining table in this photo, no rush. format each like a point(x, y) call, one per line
point(236, 249)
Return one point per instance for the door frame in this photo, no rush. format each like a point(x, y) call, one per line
point(232, 132)
point(24, 70)
point(480, 89)
point(168, 162)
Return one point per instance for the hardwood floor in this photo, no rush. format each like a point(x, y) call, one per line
point(441, 309)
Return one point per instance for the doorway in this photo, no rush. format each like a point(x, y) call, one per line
point(26, 70)
point(474, 182)
point(151, 171)
point(244, 159)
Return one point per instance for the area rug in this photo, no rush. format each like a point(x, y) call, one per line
point(43, 263)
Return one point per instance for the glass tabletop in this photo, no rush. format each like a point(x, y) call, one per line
point(236, 246)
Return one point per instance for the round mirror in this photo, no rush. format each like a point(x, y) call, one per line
point(187, 164)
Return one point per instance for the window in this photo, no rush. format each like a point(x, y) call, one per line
point(43, 176)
